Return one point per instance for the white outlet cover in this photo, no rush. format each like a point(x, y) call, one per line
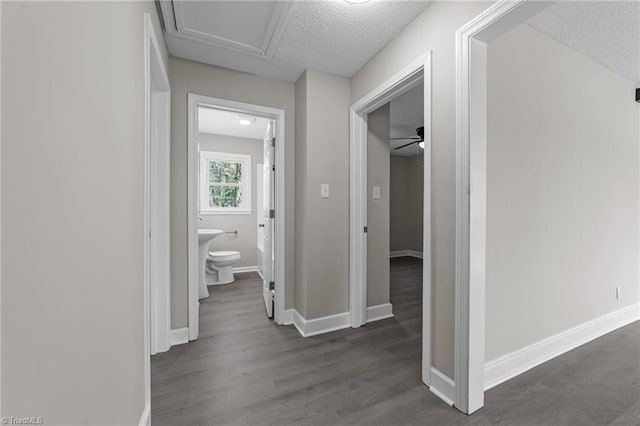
point(376, 192)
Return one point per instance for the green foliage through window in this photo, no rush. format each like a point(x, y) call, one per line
point(225, 196)
point(225, 172)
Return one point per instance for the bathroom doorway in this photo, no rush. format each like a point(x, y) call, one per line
point(235, 194)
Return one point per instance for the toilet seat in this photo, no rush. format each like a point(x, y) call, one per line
point(224, 256)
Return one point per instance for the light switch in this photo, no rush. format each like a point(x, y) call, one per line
point(376, 192)
point(324, 190)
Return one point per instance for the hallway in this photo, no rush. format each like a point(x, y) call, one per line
point(246, 370)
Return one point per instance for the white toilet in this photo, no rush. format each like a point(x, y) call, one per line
point(220, 265)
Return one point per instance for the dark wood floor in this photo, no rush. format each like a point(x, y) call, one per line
point(244, 370)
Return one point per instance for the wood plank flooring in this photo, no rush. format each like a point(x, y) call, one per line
point(244, 370)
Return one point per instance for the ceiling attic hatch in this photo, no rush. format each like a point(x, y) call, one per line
point(254, 28)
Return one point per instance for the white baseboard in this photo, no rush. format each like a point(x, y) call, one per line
point(287, 317)
point(313, 327)
point(379, 312)
point(515, 363)
point(145, 419)
point(179, 336)
point(442, 386)
point(240, 269)
point(405, 253)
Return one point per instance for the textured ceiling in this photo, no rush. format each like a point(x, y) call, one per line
point(329, 36)
point(605, 31)
point(407, 114)
point(225, 123)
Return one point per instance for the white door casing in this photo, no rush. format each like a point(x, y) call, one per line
point(471, 143)
point(406, 79)
point(156, 277)
point(267, 207)
point(278, 116)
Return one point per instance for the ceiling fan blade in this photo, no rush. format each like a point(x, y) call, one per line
point(407, 144)
point(409, 138)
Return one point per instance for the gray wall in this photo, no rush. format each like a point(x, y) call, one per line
point(323, 251)
point(72, 180)
point(407, 202)
point(434, 29)
point(378, 210)
point(562, 205)
point(246, 224)
point(191, 77)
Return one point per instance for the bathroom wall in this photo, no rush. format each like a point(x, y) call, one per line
point(73, 181)
point(246, 224)
point(562, 190)
point(434, 30)
point(407, 202)
point(192, 77)
point(378, 209)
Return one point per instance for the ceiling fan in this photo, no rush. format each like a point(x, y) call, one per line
point(413, 139)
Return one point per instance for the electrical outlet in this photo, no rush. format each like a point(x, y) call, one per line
point(618, 293)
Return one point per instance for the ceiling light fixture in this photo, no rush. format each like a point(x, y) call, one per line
point(356, 1)
point(244, 120)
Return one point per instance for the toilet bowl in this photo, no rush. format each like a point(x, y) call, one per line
point(220, 265)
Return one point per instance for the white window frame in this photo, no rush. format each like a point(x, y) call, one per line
point(245, 159)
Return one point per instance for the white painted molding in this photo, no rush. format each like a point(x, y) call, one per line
point(241, 269)
point(287, 317)
point(405, 253)
point(516, 363)
point(379, 312)
point(471, 167)
point(179, 336)
point(442, 386)
point(313, 327)
point(145, 418)
point(194, 101)
point(172, 11)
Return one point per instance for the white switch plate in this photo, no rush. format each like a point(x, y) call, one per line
point(376, 192)
point(324, 190)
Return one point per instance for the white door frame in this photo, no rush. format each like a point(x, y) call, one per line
point(157, 120)
point(471, 193)
point(408, 78)
point(194, 101)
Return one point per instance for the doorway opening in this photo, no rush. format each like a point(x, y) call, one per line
point(235, 200)
point(412, 76)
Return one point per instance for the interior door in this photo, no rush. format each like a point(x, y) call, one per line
point(267, 222)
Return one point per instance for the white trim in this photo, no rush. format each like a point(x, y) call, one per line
point(471, 87)
point(155, 240)
point(379, 312)
point(287, 317)
point(145, 418)
point(406, 79)
point(508, 366)
point(172, 12)
point(179, 336)
point(241, 269)
point(278, 115)
point(405, 253)
point(313, 327)
point(442, 386)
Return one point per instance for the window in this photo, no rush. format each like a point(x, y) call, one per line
point(225, 183)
